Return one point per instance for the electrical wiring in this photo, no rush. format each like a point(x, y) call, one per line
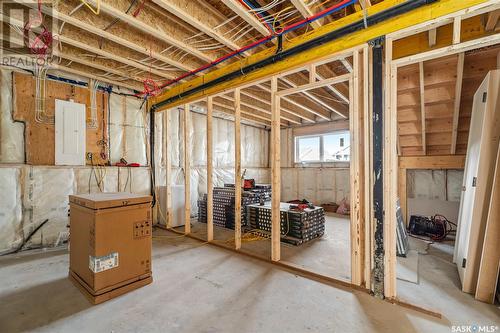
point(93, 86)
point(286, 29)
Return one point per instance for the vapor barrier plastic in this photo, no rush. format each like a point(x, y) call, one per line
point(427, 184)
point(10, 209)
point(11, 133)
point(128, 129)
point(46, 192)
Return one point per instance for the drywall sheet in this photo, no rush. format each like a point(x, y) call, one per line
point(11, 133)
point(10, 209)
point(46, 192)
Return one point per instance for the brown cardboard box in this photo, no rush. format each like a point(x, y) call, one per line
point(110, 243)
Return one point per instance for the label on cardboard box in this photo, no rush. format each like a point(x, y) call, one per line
point(103, 263)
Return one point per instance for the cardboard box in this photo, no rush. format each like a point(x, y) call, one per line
point(110, 243)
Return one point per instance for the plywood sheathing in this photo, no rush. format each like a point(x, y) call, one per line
point(40, 138)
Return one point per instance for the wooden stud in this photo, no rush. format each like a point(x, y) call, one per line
point(390, 173)
point(422, 104)
point(432, 37)
point(458, 98)
point(355, 175)
point(210, 189)
point(168, 168)
point(457, 27)
point(187, 171)
point(237, 169)
point(275, 173)
point(312, 73)
point(402, 192)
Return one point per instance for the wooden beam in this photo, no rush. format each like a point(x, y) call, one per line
point(458, 98)
point(237, 169)
point(492, 20)
point(301, 114)
point(247, 16)
point(187, 170)
point(210, 189)
point(438, 162)
point(422, 105)
point(297, 104)
point(86, 47)
point(228, 103)
point(109, 36)
point(275, 173)
point(192, 19)
point(155, 32)
point(306, 12)
point(254, 106)
point(318, 84)
point(432, 11)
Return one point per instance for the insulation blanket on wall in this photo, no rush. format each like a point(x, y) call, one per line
point(318, 185)
point(11, 133)
point(127, 128)
point(10, 209)
point(46, 192)
point(29, 195)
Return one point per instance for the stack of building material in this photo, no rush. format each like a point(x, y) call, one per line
point(223, 204)
point(297, 226)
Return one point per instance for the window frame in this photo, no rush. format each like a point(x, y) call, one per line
point(321, 147)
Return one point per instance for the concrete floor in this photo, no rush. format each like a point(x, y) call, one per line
point(439, 287)
point(328, 255)
point(200, 288)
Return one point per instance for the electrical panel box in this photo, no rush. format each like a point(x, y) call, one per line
point(110, 243)
point(70, 127)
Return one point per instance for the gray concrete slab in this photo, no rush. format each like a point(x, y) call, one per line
point(197, 288)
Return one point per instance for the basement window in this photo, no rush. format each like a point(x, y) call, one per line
point(330, 147)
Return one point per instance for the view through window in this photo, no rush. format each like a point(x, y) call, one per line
point(331, 147)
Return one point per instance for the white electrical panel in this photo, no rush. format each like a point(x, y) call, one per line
point(70, 133)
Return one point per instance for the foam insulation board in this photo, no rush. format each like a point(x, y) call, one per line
point(10, 209)
point(11, 133)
